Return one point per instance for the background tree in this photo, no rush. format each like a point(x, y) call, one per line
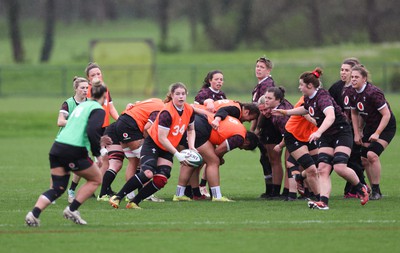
point(13, 11)
point(163, 19)
point(50, 19)
point(315, 21)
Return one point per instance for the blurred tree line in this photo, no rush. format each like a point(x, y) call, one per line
point(226, 24)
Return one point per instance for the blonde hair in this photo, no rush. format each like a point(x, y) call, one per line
point(261, 100)
point(78, 80)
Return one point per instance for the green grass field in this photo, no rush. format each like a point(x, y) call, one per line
point(247, 225)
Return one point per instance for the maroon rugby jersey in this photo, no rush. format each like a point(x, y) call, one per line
point(261, 88)
point(206, 93)
point(316, 106)
point(279, 121)
point(368, 102)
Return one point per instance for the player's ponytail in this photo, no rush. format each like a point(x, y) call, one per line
point(312, 77)
point(98, 88)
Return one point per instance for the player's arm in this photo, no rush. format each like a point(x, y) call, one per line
point(94, 130)
point(62, 119)
point(228, 145)
point(113, 112)
point(382, 124)
point(295, 111)
point(328, 121)
point(191, 136)
point(63, 115)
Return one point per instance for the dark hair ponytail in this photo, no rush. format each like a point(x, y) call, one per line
point(98, 89)
point(312, 77)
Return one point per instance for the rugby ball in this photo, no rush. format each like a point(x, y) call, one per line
point(194, 159)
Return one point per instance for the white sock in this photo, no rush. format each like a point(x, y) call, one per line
point(216, 192)
point(131, 195)
point(180, 190)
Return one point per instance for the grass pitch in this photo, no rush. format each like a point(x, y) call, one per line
point(247, 225)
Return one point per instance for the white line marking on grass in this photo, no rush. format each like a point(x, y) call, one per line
point(252, 222)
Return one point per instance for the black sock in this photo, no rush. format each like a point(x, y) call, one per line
point(285, 192)
point(276, 189)
point(268, 189)
point(108, 178)
point(292, 195)
point(203, 182)
point(318, 197)
point(36, 212)
point(74, 205)
point(145, 192)
point(188, 191)
point(347, 188)
point(306, 192)
point(376, 188)
point(132, 184)
point(73, 186)
point(324, 199)
point(196, 192)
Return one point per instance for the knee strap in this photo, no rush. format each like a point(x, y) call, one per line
point(325, 158)
point(340, 158)
point(291, 170)
point(164, 170)
point(59, 186)
point(117, 155)
point(132, 153)
point(306, 161)
point(375, 147)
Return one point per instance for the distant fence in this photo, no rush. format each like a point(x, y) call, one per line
point(136, 80)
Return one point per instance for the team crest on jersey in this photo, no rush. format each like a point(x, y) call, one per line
point(311, 111)
point(346, 100)
point(71, 165)
point(124, 135)
point(360, 106)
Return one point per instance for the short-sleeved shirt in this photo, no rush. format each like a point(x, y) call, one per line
point(342, 95)
point(208, 93)
point(316, 106)
point(261, 88)
point(368, 102)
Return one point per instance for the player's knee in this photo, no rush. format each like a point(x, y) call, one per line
point(148, 173)
point(60, 184)
point(306, 161)
point(312, 172)
point(340, 158)
point(374, 151)
point(293, 170)
point(372, 157)
point(325, 158)
point(159, 181)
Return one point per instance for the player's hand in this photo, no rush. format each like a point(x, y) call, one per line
point(215, 124)
point(181, 158)
point(277, 148)
point(374, 137)
point(279, 112)
point(314, 137)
